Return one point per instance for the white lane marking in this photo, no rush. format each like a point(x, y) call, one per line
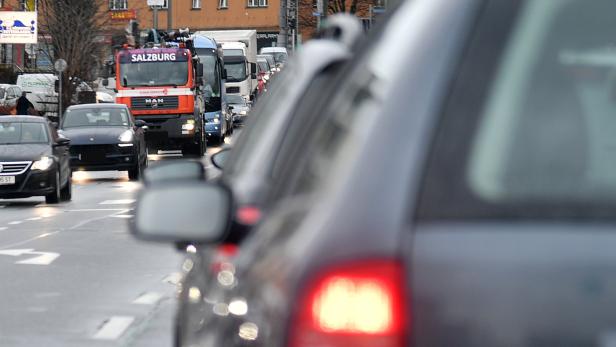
point(118, 202)
point(114, 327)
point(122, 216)
point(96, 209)
point(174, 278)
point(28, 240)
point(34, 218)
point(45, 258)
point(16, 222)
point(41, 258)
point(148, 298)
point(3, 228)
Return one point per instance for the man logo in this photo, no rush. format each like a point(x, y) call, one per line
point(154, 103)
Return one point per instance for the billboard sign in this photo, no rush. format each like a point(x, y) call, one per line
point(156, 2)
point(18, 27)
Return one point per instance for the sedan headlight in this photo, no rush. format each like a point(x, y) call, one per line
point(42, 164)
point(126, 136)
point(243, 112)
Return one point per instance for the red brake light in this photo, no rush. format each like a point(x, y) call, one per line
point(359, 304)
point(248, 215)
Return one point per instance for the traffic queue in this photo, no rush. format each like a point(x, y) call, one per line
point(176, 96)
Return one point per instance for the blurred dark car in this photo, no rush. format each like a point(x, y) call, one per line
point(105, 137)
point(34, 161)
point(483, 215)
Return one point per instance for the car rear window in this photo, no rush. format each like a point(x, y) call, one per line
point(530, 128)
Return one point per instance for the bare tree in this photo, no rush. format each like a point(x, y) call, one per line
point(73, 27)
point(308, 22)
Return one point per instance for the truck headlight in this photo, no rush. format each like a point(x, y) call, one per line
point(243, 112)
point(126, 136)
point(42, 164)
point(188, 126)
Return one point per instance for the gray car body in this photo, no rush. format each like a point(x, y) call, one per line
point(468, 283)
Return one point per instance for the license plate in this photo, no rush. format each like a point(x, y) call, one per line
point(4, 180)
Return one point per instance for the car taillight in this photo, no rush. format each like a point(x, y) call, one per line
point(359, 304)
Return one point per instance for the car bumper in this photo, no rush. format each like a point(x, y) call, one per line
point(168, 128)
point(238, 118)
point(213, 129)
point(30, 183)
point(103, 157)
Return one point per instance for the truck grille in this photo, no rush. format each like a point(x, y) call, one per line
point(154, 103)
point(233, 90)
point(14, 168)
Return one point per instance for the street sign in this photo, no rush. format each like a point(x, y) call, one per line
point(18, 27)
point(156, 2)
point(60, 65)
point(316, 14)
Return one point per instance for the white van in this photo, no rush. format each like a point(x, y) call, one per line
point(40, 91)
point(279, 53)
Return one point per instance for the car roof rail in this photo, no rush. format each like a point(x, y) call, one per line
point(342, 27)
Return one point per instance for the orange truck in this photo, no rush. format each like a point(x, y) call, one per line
point(161, 86)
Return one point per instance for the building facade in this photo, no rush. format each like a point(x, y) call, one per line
point(261, 15)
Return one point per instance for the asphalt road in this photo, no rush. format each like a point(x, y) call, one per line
point(73, 276)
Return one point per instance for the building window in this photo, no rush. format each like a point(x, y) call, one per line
point(257, 3)
point(196, 3)
point(165, 5)
point(118, 4)
point(223, 4)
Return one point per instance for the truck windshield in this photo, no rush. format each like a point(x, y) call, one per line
point(233, 52)
point(154, 74)
point(236, 71)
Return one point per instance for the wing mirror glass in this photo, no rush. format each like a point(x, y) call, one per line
point(180, 171)
point(199, 70)
point(186, 212)
point(140, 123)
point(105, 82)
point(220, 158)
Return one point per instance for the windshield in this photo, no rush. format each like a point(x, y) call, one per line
point(154, 74)
point(235, 99)
point(263, 66)
point(99, 117)
point(233, 52)
point(14, 133)
point(279, 57)
point(236, 71)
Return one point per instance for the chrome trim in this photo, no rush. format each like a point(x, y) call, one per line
point(5, 163)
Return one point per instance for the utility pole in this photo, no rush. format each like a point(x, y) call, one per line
point(282, 35)
point(155, 18)
point(169, 15)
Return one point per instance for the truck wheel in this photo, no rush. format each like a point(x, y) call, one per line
point(135, 172)
point(67, 192)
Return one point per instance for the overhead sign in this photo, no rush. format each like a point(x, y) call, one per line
point(153, 55)
point(18, 27)
point(123, 15)
point(156, 2)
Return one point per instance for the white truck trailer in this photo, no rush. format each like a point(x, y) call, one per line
point(240, 59)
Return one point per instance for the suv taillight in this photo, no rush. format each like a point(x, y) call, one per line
point(359, 304)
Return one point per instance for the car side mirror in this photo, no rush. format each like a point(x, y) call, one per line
point(199, 71)
point(140, 123)
point(224, 74)
point(185, 212)
point(253, 68)
point(181, 171)
point(62, 141)
point(220, 158)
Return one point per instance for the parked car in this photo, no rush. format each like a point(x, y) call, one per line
point(251, 167)
point(482, 216)
point(105, 137)
point(9, 93)
point(238, 107)
point(33, 160)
